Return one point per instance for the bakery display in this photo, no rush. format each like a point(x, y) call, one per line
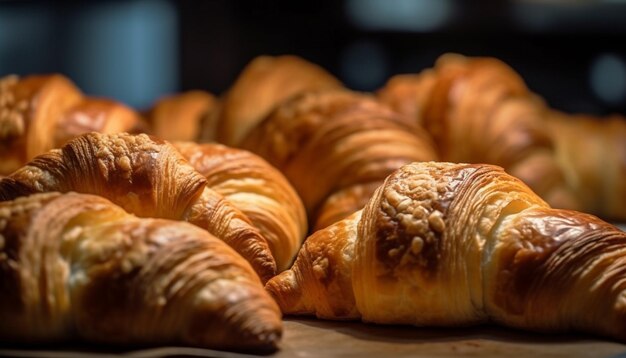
point(76, 266)
point(442, 244)
point(113, 237)
point(478, 110)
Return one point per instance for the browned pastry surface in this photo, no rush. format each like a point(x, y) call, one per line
point(256, 188)
point(592, 154)
point(181, 117)
point(96, 115)
point(443, 244)
point(264, 83)
point(335, 147)
point(41, 112)
point(77, 266)
point(479, 110)
point(147, 177)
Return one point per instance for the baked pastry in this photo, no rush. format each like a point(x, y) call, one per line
point(591, 151)
point(336, 147)
point(257, 189)
point(76, 266)
point(41, 112)
point(409, 93)
point(147, 177)
point(443, 244)
point(479, 110)
point(264, 83)
point(181, 117)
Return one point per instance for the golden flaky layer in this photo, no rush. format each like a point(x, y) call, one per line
point(256, 188)
point(76, 266)
point(181, 117)
point(480, 111)
point(443, 244)
point(147, 177)
point(42, 112)
point(336, 147)
point(263, 84)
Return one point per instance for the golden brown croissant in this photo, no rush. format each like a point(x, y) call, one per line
point(443, 244)
point(38, 113)
point(336, 147)
point(264, 83)
point(76, 266)
point(408, 93)
point(147, 177)
point(592, 154)
point(479, 110)
point(256, 188)
point(181, 117)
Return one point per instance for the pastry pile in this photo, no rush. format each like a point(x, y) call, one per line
point(180, 224)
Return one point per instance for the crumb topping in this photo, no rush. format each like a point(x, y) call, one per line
point(12, 112)
point(411, 218)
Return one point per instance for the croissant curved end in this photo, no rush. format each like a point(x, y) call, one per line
point(286, 291)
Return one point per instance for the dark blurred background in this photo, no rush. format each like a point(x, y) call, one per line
point(573, 53)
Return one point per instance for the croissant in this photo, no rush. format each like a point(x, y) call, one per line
point(336, 147)
point(409, 93)
point(264, 83)
point(38, 113)
point(592, 154)
point(260, 191)
point(479, 110)
point(77, 266)
point(443, 244)
point(147, 177)
point(181, 117)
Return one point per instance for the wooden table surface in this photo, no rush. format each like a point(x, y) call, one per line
point(316, 338)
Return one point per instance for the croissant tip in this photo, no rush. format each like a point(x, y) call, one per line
point(266, 270)
point(268, 340)
point(283, 289)
point(261, 338)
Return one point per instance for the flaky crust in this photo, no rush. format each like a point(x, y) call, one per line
point(264, 83)
point(77, 266)
point(147, 177)
point(443, 244)
point(256, 188)
point(336, 147)
point(42, 112)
